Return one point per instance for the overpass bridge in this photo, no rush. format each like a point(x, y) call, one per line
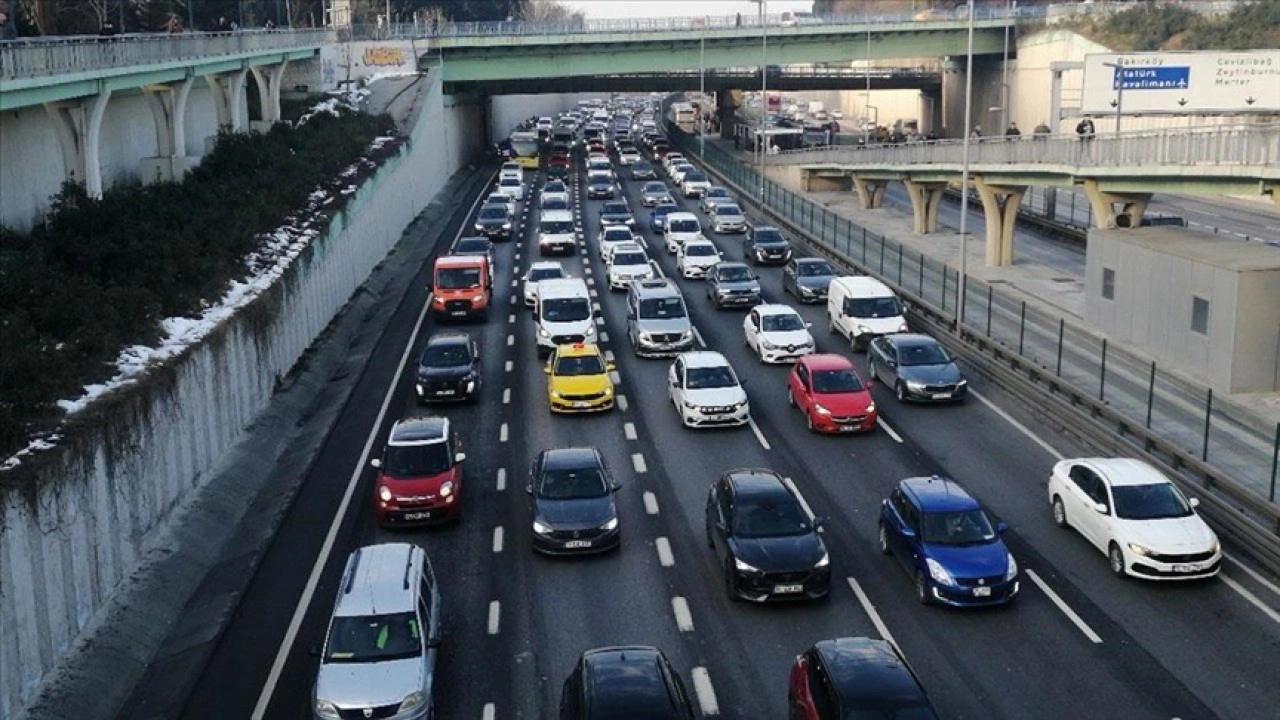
point(718, 80)
point(1118, 173)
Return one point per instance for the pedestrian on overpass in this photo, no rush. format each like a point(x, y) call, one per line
point(1085, 129)
point(1041, 131)
point(1013, 133)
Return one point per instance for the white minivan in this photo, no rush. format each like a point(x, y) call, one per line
point(862, 309)
point(555, 233)
point(563, 314)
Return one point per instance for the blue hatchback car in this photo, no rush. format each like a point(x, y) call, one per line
point(658, 216)
point(947, 543)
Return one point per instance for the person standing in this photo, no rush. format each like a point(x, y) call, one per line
point(1084, 129)
point(1041, 131)
point(1013, 133)
point(8, 30)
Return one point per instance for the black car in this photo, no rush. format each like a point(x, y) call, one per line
point(624, 683)
point(573, 508)
point(855, 678)
point(476, 245)
point(766, 542)
point(616, 213)
point(600, 186)
point(732, 283)
point(917, 367)
point(558, 172)
point(449, 369)
point(493, 221)
point(808, 278)
point(765, 244)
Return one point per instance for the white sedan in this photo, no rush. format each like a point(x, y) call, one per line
point(1131, 512)
point(539, 271)
point(695, 257)
point(777, 333)
point(626, 264)
point(706, 391)
point(511, 186)
point(614, 236)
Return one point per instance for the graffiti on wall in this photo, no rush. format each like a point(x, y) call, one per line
point(383, 56)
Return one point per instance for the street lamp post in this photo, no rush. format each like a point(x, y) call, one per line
point(702, 89)
point(1004, 78)
point(1118, 103)
point(964, 177)
point(764, 92)
point(866, 129)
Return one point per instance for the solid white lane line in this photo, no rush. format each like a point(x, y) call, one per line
point(629, 429)
point(495, 612)
point(871, 612)
point(621, 400)
point(706, 694)
point(698, 336)
point(888, 430)
point(497, 539)
point(804, 504)
point(759, 435)
point(508, 366)
point(502, 479)
point(506, 396)
point(1254, 574)
point(1020, 427)
point(502, 433)
point(650, 503)
point(511, 340)
point(637, 461)
point(665, 557)
point(1064, 607)
point(684, 618)
point(1254, 599)
point(490, 712)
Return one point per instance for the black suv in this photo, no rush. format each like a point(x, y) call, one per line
point(449, 369)
point(766, 245)
point(620, 683)
point(493, 221)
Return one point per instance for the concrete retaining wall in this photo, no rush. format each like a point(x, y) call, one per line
point(76, 521)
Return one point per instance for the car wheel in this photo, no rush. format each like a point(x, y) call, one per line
point(922, 588)
point(1059, 513)
point(1116, 558)
point(808, 421)
point(831, 324)
point(728, 582)
point(900, 391)
point(791, 398)
point(882, 541)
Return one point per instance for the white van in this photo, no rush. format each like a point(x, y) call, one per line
point(555, 232)
point(679, 228)
point(563, 314)
point(862, 309)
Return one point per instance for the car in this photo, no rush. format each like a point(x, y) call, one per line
point(493, 221)
point(616, 212)
point(862, 308)
point(693, 183)
point(562, 313)
point(539, 271)
point(765, 245)
point(728, 218)
point(807, 278)
point(512, 168)
point(732, 283)
point(600, 165)
point(553, 202)
point(1139, 519)
point(695, 257)
point(614, 236)
point(511, 185)
point(855, 677)
point(643, 170)
point(705, 390)
point(712, 196)
point(624, 682)
point(832, 396)
point(661, 149)
point(557, 170)
point(502, 199)
point(654, 192)
point(679, 170)
point(658, 215)
point(419, 479)
point(601, 187)
point(947, 543)
point(626, 264)
point(681, 227)
point(383, 638)
point(555, 232)
point(917, 367)
point(670, 160)
point(657, 318)
point(765, 540)
point(572, 510)
point(555, 189)
point(777, 333)
point(448, 369)
point(578, 379)
point(628, 156)
point(475, 245)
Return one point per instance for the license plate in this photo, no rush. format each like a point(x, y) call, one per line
point(581, 404)
point(942, 396)
point(788, 589)
point(425, 515)
point(1185, 568)
point(573, 544)
point(982, 592)
point(446, 392)
point(458, 313)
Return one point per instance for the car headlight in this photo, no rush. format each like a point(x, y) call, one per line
point(412, 701)
point(691, 406)
point(506, 226)
point(820, 409)
point(806, 290)
point(939, 573)
point(325, 709)
point(479, 227)
point(863, 329)
point(824, 561)
point(915, 385)
point(446, 489)
point(1012, 572)
point(542, 332)
point(384, 492)
point(767, 345)
point(611, 524)
point(1216, 547)
point(591, 330)
point(871, 407)
point(477, 297)
point(1140, 550)
point(902, 328)
point(744, 567)
point(687, 334)
point(540, 528)
point(553, 393)
point(608, 390)
point(962, 382)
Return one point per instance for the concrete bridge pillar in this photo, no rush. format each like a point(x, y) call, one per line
point(168, 103)
point(1000, 209)
point(268, 79)
point(727, 102)
point(78, 126)
point(870, 191)
point(1132, 206)
point(228, 98)
point(925, 199)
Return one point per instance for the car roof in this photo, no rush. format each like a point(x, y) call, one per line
point(938, 494)
point(807, 260)
point(618, 230)
point(568, 458)
point(627, 682)
point(656, 287)
point(727, 208)
point(1126, 471)
point(379, 580)
point(756, 482)
point(681, 216)
point(562, 287)
point(494, 206)
point(699, 241)
point(911, 339)
point(867, 669)
point(704, 358)
point(557, 215)
point(578, 350)
point(862, 286)
point(729, 264)
point(545, 265)
point(775, 309)
point(459, 260)
point(419, 431)
point(454, 337)
point(627, 247)
point(827, 361)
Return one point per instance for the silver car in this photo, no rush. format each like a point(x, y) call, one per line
point(654, 192)
point(728, 218)
point(657, 319)
point(713, 196)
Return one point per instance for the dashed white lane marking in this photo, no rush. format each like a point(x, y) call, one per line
point(596, 306)
point(759, 435)
point(502, 479)
point(1019, 426)
point(665, 558)
point(495, 613)
point(622, 402)
point(706, 694)
point(629, 429)
point(608, 356)
point(497, 539)
point(502, 433)
point(586, 270)
point(615, 377)
point(515, 282)
point(1254, 599)
point(507, 367)
point(506, 396)
point(804, 504)
point(490, 712)
point(637, 461)
point(1064, 607)
point(698, 336)
point(684, 618)
point(511, 318)
point(511, 300)
point(604, 336)
point(873, 614)
point(591, 282)
point(650, 503)
point(888, 430)
point(600, 321)
point(511, 340)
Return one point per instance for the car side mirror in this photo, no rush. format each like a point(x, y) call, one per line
point(459, 457)
point(891, 362)
point(721, 527)
point(808, 325)
point(1101, 508)
point(615, 486)
point(546, 369)
point(376, 462)
point(818, 522)
point(434, 641)
point(742, 382)
point(610, 367)
point(1002, 527)
point(1193, 502)
point(529, 488)
point(908, 532)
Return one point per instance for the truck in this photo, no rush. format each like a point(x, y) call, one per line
point(817, 111)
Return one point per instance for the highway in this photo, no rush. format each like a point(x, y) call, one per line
point(1077, 643)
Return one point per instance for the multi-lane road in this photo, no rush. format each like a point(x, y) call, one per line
point(1077, 643)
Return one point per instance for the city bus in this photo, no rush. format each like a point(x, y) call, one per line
point(525, 146)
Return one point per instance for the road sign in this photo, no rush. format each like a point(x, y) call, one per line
point(1182, 83)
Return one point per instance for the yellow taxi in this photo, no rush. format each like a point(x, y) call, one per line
point(578, 379)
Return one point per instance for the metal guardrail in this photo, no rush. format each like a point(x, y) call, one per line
point(48, 56)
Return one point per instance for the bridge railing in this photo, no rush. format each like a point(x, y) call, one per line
point(46, 56)
point(1248, 145)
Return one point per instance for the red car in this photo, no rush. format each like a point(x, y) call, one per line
point(419, 474)
point(829, 392)
point(855, 678)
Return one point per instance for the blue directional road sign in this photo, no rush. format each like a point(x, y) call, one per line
point(1151, 78)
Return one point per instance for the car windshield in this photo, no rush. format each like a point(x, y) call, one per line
point(728, 210)
point(598, 180)
point(963, 527)
point(614, 208)
point(655, 187)
point(665, 209)
point(556, 227)
point(554, 203)
point(572, 484)
point(565, 309)
point(471, 246)
point(872, 307)
point(733, 274)
point(770, 518)
point(554, 187)
point(629, 258)
point(509, 182)
point(598, 164)
point(579, 365)
point(785, 322)
point(641, 167)
point(923, 354)
point(497, 199)
point(1149, 502)
point(404, 461)
point(662, 308)
point(684, 226)
point(545, 273)
point(373, 638)
point(493, 213)
point(767, 237)
point(457, 278)
point(706, 378)
point(695, 176)
point(836, 381)
point(617, 234)
point(699, 250)
point(814, 269)
point(446, 355)
point(715, 192)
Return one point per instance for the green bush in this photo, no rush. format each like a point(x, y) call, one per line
point(99, 274)
point(1150, 26)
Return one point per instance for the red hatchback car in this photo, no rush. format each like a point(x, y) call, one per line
point(419, 474)
point(829, 392)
